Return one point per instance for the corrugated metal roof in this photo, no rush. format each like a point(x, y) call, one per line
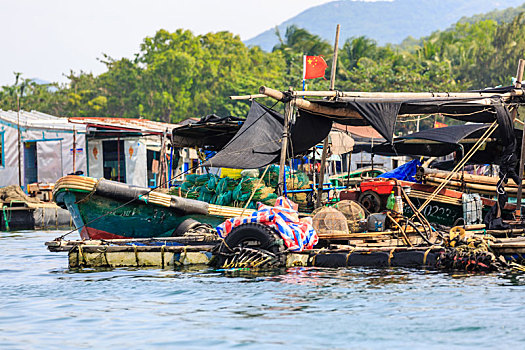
point(138, 124)
point(38, 120)
point(359, 131)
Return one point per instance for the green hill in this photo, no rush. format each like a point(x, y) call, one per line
point(383, 21)
point(500, 16)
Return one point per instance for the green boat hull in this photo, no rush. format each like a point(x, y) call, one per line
point(98, 217)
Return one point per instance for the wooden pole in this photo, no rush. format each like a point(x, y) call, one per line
point(118, 158)
point(74, 148)
point(325, 142)
point(517, 85)
point(334, 60)
point(391, 96)
point(19, 142)
point(247, 97)
point(284, 146)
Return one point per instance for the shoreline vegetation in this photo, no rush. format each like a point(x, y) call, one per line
point(179, 75)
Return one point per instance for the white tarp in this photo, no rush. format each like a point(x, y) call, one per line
point(49, 160)
point(54, 141)
point(340, 143)
point(136, 163)
point(80, 155)
point(96, 165)
point(9, 168)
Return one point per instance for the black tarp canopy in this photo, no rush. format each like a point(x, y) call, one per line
point(210, 132)
point(440, 142)
point(382, 114)
point(258, 141)
point(435, 142)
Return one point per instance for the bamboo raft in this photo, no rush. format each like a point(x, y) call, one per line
point(182, 251)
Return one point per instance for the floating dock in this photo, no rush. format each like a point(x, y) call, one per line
point(173, 252)
point(20, 215)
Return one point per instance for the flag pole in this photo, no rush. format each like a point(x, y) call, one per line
point(304, 72)
point(325, 142)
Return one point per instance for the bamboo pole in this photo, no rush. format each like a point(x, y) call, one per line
point(395, 96)
point(488, 180)
point(325, 142)
point(284, 146)
point(312, 107)
point(487, 188)
point(517, 85)
point(19, 141)
point(407, 95)
point(247, 97)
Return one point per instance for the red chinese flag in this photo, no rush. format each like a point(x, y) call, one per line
point(313, 67)
point(439, 125)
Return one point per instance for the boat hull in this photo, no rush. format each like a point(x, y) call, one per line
point(99, 217)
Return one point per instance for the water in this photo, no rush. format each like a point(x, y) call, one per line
point(45, 305)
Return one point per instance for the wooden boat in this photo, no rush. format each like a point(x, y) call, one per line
point(103, 209)
point(445, 209)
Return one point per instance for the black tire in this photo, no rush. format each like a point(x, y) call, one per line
point(250, 235)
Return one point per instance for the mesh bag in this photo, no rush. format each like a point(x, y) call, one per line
point(330, 223)
point(353, 213)
point(271, 178)
point(191, 178)
point(298, 181)
point(201, 180)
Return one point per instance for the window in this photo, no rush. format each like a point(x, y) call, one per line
point(114, 160)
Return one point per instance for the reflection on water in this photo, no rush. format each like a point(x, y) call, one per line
point(44, 304)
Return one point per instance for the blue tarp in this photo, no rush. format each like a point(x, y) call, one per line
point(405, 172)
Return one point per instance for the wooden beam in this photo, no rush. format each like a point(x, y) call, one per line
point(325, 141)
point(517, 85)
point(312, 107)
point(407, 95)
point(247, 97)
point(284, 145)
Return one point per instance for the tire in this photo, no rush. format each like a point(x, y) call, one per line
point(250, 235)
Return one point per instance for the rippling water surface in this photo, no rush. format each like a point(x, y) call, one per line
point(43, 304)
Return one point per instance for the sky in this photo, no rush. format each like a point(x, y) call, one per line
point(45, 39)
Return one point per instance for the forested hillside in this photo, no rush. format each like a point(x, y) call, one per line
point(384, 21)
point(179, 75)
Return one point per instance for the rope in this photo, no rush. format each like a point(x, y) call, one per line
point(90, 194)
point(162, 254)
point(391, 255)
point(407, 241)
point(426, 254)
point(348, 256)
point(6, 220)
point(136, 254)
point(463, 161)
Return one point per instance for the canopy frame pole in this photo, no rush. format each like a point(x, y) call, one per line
point(325, 142)
point(18, 142)
point(288, 111)
point(517, 85)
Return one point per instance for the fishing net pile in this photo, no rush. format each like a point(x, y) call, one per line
point(299, 181)
point(227, 191)
point(14, 193)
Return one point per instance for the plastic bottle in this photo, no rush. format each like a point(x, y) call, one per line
point(398, 207)
point(391, 201)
